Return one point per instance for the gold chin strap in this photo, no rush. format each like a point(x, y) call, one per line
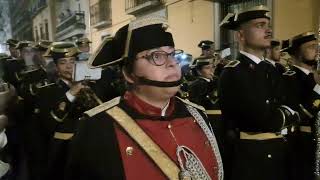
point(167, 166)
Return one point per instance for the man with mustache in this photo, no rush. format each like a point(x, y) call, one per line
point(307, 96)
point(256, 118)
point(147, 133)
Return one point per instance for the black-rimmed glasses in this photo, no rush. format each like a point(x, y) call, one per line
point(159, 58)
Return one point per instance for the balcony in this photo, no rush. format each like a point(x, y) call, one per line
point(71, 25)
point(101, 14)
point(38, 6)
point(135, 7)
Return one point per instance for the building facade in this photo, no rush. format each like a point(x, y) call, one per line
point(20, 17)
point(43, 20)
point(194, 20)
point(72, 19)
point(5, 25)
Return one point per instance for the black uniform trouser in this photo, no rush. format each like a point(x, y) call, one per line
point(305, 153)
point(57, 159)
point(261, 160)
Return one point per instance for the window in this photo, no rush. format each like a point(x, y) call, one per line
point(100, 12)
point(46, 27)
point(137, 6)
point(41, 32)
point(36, 35)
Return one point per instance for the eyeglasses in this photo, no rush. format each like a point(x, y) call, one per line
point(159, 58)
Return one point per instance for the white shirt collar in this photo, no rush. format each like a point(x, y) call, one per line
point(306, 71)
point(252, 57)
point(163, 110)
point(67, 82)
point(271, 61)
point(206, 79)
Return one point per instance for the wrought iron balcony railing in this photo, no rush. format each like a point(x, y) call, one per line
point(37, 6)
point(75, 20)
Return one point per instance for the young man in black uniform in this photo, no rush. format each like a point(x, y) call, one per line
point(256, 118)
point(307, 96)
point(60, 108)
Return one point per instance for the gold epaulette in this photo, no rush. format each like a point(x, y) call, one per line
point(289, 73)
point(186, 101)
point(103, 107)
point(232, 64)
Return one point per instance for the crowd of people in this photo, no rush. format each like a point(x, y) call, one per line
point(253, 117)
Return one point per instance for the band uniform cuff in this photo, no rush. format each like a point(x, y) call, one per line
point(317, 89)
point(70, 97)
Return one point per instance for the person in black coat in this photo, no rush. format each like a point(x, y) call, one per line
point(60, 106)
point(103, 148)
point(307, 94)
point(204, 91)
point(257, 120)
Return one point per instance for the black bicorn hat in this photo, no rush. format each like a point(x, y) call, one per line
point(205, 44)
point(137, 36)
point(12, 42)
point(202, 61)
point(233, 21)
point(81, 41)
point(25, 44)
point(42, 45)
point(58, 50)
point(285, 45)
point(300, 39)
point(275, 43)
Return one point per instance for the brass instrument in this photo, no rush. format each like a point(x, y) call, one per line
point(88, 98)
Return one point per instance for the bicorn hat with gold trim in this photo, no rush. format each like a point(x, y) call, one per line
point(43, 45)
point(275, 43)
point(24, 44)
point(139, 35)
point(12, 42)
point(81, 41)
point(58, 50)
point(285, 45)
point(233, 20)
point(206, 44)
point(202, 61)
point(300, 39)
